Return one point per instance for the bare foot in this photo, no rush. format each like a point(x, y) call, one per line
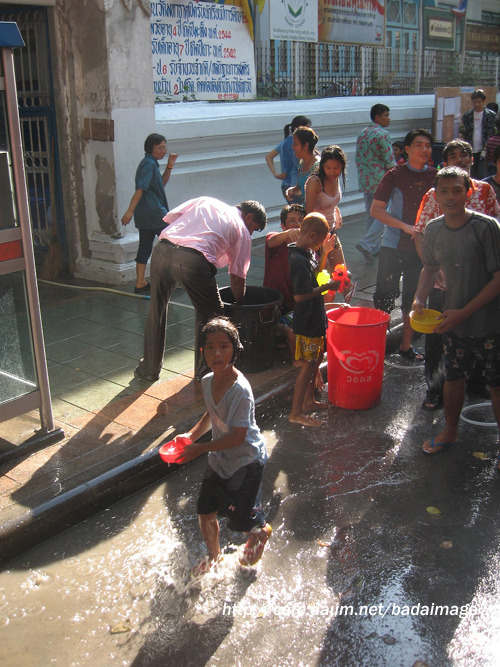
point(304, 420)
point(313, 406)
point(318, 382)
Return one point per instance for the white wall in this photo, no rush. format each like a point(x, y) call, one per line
point(222, 148)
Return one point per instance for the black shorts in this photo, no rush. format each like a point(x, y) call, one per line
point(392, 264)
point(238, 498)
point(461, 355)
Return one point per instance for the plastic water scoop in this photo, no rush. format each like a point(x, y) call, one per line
point(343, 276)
point(172, 450)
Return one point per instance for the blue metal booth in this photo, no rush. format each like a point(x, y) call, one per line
point(24, 383)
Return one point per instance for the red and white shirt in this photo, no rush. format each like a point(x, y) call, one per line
point(482, 200)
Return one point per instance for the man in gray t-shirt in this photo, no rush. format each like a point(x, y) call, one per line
point(467, 246)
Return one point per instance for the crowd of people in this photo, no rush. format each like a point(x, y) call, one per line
point(435, 229)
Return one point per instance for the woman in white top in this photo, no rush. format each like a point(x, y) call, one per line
point(323, 194)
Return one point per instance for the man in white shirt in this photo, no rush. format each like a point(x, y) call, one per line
point(479, 126)
point(203, 234)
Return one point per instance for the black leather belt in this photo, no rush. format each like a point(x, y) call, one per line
point(182, 247)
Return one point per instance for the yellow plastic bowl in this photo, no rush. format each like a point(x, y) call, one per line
point(425, 322)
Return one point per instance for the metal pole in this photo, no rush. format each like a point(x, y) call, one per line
point(420, 45)
point(363, 54)
point(46, 418)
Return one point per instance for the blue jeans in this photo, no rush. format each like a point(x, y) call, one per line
point(374, 228)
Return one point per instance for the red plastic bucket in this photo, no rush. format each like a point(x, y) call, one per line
point(356, 348)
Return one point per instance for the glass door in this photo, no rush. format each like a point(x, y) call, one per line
point(24, 384)
point(17, 363)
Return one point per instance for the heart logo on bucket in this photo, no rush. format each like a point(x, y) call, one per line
point(365, 362)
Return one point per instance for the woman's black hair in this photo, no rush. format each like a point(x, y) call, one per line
point(401, 146)
point(225, 325)
point(298, 121)
point(333, 152)
point(151, 141)
point(306, 135)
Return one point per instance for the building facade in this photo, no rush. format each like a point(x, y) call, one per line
point(85, 82)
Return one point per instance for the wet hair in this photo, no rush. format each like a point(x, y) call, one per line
point(478, 94)
point(224, 325)
point(378, 110)
point(288, 209)
point(306, 135)
point(151, 141)
point(298, 121)
point(331, 153)
point(419, 132)
point(315, 222)
point(256, 209)
point(454, 145)
point(453, 172)
point(496, 154)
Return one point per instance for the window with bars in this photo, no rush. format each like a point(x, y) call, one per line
point(393, 14)
point(410, 14)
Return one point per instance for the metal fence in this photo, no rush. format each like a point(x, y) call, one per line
point(290, 70)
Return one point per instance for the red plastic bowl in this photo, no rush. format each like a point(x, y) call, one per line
point(171, 451)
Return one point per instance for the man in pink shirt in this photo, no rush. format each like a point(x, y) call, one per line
point(481, 199)
point(203, 234)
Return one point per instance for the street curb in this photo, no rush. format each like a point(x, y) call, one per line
point(35, 526)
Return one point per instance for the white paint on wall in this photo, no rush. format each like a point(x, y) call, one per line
point(222, 149)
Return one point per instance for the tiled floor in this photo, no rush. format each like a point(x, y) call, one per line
point(94, 338)
point(93, 342)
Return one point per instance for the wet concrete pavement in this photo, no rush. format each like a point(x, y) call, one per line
point(112, 422)
point(359, 570)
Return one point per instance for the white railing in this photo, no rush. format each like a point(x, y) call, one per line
point(291, 70)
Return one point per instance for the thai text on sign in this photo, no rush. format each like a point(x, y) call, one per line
point(201, 52)
point(352, 21)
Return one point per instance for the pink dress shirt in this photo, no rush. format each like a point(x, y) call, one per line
point(213, 228)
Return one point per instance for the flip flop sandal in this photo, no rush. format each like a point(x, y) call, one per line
point(411, 354)
point(443, 445)
point(252, 555)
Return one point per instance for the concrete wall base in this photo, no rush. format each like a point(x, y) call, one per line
point(222, 149)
